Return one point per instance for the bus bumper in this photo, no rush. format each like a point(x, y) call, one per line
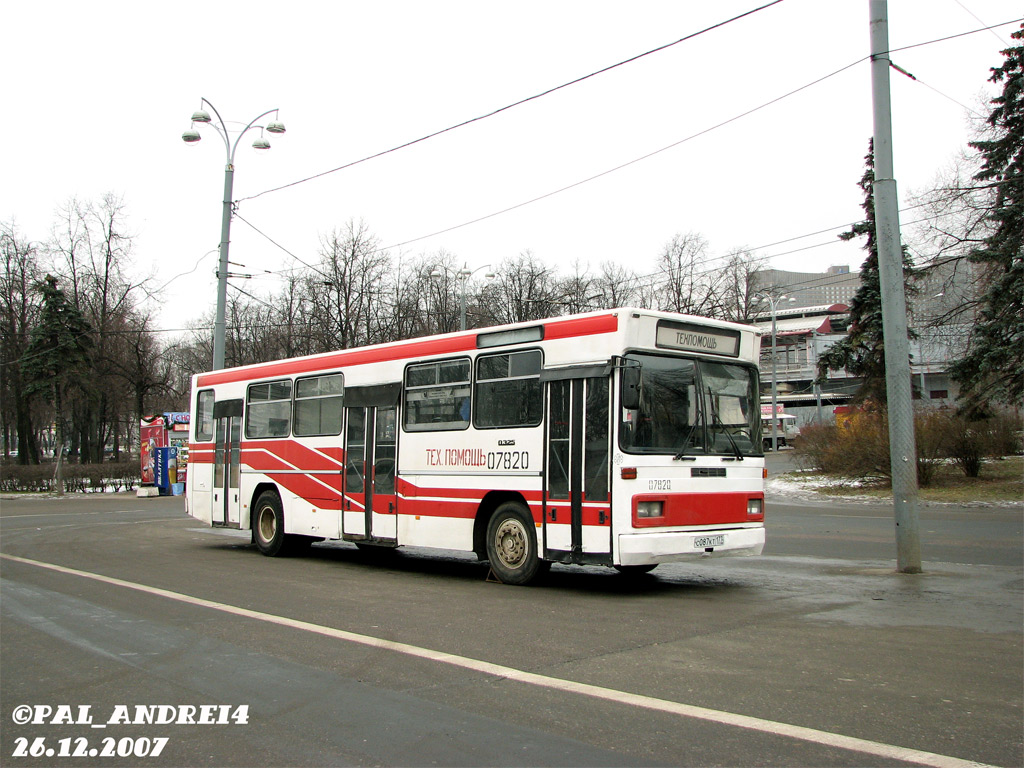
point(650, 548)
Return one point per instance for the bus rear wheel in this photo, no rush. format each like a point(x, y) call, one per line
point(512, 544)
point(268, 524)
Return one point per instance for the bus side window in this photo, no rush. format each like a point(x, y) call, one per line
point(319, 402)
point(204, 416)
point(268, 409)
point(508, 391)
point(437, 396)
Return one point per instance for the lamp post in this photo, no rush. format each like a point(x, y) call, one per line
point(192, 136)
point(773, 301)
point(463, 276)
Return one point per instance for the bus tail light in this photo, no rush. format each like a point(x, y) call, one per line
point(628, 473)
point(755, 507)
point(650, 509)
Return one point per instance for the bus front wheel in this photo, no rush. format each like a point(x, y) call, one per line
point(512, 544)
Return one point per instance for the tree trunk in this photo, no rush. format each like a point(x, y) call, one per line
point(59, 470)
point(28, 449)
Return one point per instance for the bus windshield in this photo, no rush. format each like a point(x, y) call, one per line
point(689, 407)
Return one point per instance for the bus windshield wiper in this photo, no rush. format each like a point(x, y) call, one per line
point(718, 422)
point(686, 444)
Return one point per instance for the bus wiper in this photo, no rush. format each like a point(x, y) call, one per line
point(718, 422)
point(686, 444)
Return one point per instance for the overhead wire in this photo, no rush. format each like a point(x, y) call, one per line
point(606, 172)
point(630, 162)
point(582, 181)
point(518, 103)
point(595, 176)
point(693, 136)
point(980, 21)
point(652, 279)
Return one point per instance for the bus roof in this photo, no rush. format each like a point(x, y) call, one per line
point(567, 326)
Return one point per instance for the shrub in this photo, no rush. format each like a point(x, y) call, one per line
point(863, 449)
point(1005, 435)
point(816, 443)
point(966, 449)
point(932, 430)
point(971, 442)
point(860, 448)
point(81, 478)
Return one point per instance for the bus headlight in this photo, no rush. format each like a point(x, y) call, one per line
point(650, 509)
point(755, 507)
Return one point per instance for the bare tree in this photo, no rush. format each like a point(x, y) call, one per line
point(347, 286)
point(438, 282)
point(143, 365)
point(523, 289)
point(684, 285)
point(738, 287)
point(91, 249)
point(406, 291)
point(954, 223)
point(19, 313)
point(617, 286)
point(580, 291)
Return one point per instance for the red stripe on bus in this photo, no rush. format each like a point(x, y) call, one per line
point(585, 326)
point(309, 490)
point(446, 345)
point(411, 491)
point(335, 452)
point(293, 452)
point(463, 510)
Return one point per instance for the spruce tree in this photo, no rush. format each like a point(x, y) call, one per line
point(861, 352)
point(57, 355)
point(992, 371)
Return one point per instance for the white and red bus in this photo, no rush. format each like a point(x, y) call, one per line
point(625, 438)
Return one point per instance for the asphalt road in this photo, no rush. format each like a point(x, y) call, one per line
point(817, 654)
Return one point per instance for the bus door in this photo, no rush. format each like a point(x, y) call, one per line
point(370, 502)
point(227, 419)
point(577, 518)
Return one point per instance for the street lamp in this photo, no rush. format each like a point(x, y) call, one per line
point(193, 136)
point(774, 302)
point(463, 276)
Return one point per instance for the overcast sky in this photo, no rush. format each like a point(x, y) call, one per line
point(98, 94)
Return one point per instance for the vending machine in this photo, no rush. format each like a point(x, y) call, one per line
point(161, 467)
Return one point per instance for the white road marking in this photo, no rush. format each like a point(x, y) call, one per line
point(825, 738)
point(861, 517)
point(76, 514)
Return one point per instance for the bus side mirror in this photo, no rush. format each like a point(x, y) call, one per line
point(631, 388)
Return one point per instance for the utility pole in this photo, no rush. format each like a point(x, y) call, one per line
point(902, 446)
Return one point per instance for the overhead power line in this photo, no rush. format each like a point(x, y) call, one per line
point(516, 103)
point(643, 157)
point(582, 181)
point(634, 161)
point(611, 170)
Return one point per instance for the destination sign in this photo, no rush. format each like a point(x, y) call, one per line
point(697, 338)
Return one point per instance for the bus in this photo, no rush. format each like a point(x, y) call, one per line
point(625, 438)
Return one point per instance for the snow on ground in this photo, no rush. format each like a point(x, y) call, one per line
point(793, 487)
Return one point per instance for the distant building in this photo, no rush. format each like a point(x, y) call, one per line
point(837, 285)
point(819, 317)
point(801, 335)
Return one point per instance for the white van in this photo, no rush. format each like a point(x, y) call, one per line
point(785, 430)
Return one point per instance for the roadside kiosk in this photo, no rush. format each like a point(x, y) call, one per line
point(164, 453)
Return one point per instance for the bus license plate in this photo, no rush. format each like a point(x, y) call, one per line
point(703, 542)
